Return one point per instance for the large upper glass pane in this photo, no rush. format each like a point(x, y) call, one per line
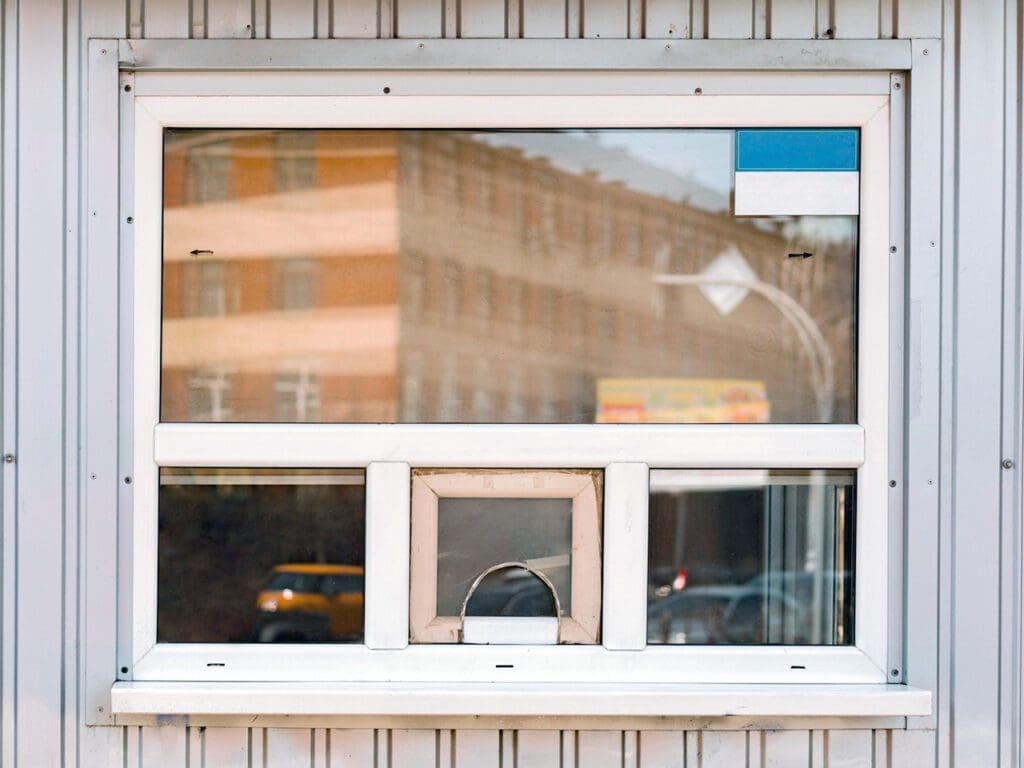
point(742, 557)
point(571, 276)
point(256, 555)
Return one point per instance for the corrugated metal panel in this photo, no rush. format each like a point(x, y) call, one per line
point(41, 140)
point(726, 19)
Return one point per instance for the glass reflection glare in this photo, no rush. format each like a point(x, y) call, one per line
point(751, 557)
point(493, 276)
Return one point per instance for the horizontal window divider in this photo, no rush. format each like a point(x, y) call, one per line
point(518, 699)
point(201, 662)
point(731, 446)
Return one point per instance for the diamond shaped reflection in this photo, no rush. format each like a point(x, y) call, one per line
point(732, 270)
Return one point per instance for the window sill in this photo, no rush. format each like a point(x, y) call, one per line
point(518, 699)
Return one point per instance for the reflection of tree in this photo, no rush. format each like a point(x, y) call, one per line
point(219, 543)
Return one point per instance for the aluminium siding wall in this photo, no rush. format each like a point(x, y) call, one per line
point(967, 594)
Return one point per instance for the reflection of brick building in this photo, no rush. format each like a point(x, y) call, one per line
point(430, 276)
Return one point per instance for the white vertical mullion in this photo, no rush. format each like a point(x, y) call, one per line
point(624, 614)
point(873, 394)
point(388, 485)
point(146, 386)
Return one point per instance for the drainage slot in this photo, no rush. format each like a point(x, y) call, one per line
point(504, 666)
point(216, 664)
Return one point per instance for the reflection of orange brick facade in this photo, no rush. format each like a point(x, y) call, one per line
point(432, 276)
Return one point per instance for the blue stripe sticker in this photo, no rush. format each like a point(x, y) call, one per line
point(799, 149)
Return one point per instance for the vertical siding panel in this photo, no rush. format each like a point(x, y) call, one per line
point(918, 18)
point(667, 18)
point(288, 748)
point(229, 18)
point(413, 749)
point(599, 749)
point(482, 18)
point(537, 749)
point(605, 18)
point(849, 749)
point(662, 749)
point(720, 749)
point(477, 749)
point(786, 749)
point(132, 747)
point(169, 18)
point(226, 747)
point(135, 18)
point(419, 18)
point(163, 746)
point(569, 739)
point(543, 18)
point(792, 20)
point(911, 749)
point(102, 747)
point(856, 19)
point(351, 748)
point(823, 18)
point(730, 19)
point(355, 18)
point(291, 18)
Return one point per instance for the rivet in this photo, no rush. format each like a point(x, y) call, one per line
point(103, 51)
point(894, 672)
point(892, 249)
point(127, 88)
point(130, 219)
point(8, 458)
point(896, 86)
point(892, 483)
point(92, 476)
point(1007, 463)
point(127, 481)
point(925, 51)
point(698, 91)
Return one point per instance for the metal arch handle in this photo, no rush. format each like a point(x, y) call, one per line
point(501, 566)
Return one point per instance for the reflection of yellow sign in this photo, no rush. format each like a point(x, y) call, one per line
point(681, 401)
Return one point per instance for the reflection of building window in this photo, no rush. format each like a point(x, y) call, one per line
point(296, 396)
point(207, 176)
point(204, 292)
point(451, 289)
point(294, 160)
point(448, 406)
point(484, 300)
point(209, 396)
point(297, 287)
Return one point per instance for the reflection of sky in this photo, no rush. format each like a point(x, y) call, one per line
point(684, 165)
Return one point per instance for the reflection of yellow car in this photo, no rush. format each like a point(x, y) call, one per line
point(311, 602)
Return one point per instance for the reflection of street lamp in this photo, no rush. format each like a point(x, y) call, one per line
point(822, 381)
point(807, 331)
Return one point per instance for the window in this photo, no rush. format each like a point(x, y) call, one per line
point(649, 306)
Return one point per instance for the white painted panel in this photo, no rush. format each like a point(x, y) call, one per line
point(605, 18)
point(599, 749)
point(228, 18)
point(163, 746)
point(785, 749)
point(482, 18)
point(912, 749)
point(543, 18)
point(226, 747)
point(797, 193)
point(718, 749)
point(919, 18)
point(477, 749)
point(419, 18)
point(386, 615)
point(169, 19)
point(288, 747)
point(356, 18)
point(413, 748)
point(848, 749)
point(792, 20)
point(626, 494)
point(667, 19)
point(856, 19)
point(291, 18)
point(661, 749)
point(351, 748)
point(537, 749)
point(730, 19)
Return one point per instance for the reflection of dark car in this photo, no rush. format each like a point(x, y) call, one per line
point(512, 596)
point(735, 614)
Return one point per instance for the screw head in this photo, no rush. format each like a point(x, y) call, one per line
point(1007, 463)
point(8, 458)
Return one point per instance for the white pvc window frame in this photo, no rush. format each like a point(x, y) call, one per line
point(625, 453)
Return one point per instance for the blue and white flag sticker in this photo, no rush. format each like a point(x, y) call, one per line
point(797, 172)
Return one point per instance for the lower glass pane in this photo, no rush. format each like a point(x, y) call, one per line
point(248, 555)
point(751, 557)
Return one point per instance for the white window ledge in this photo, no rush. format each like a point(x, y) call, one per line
point(519, 699)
